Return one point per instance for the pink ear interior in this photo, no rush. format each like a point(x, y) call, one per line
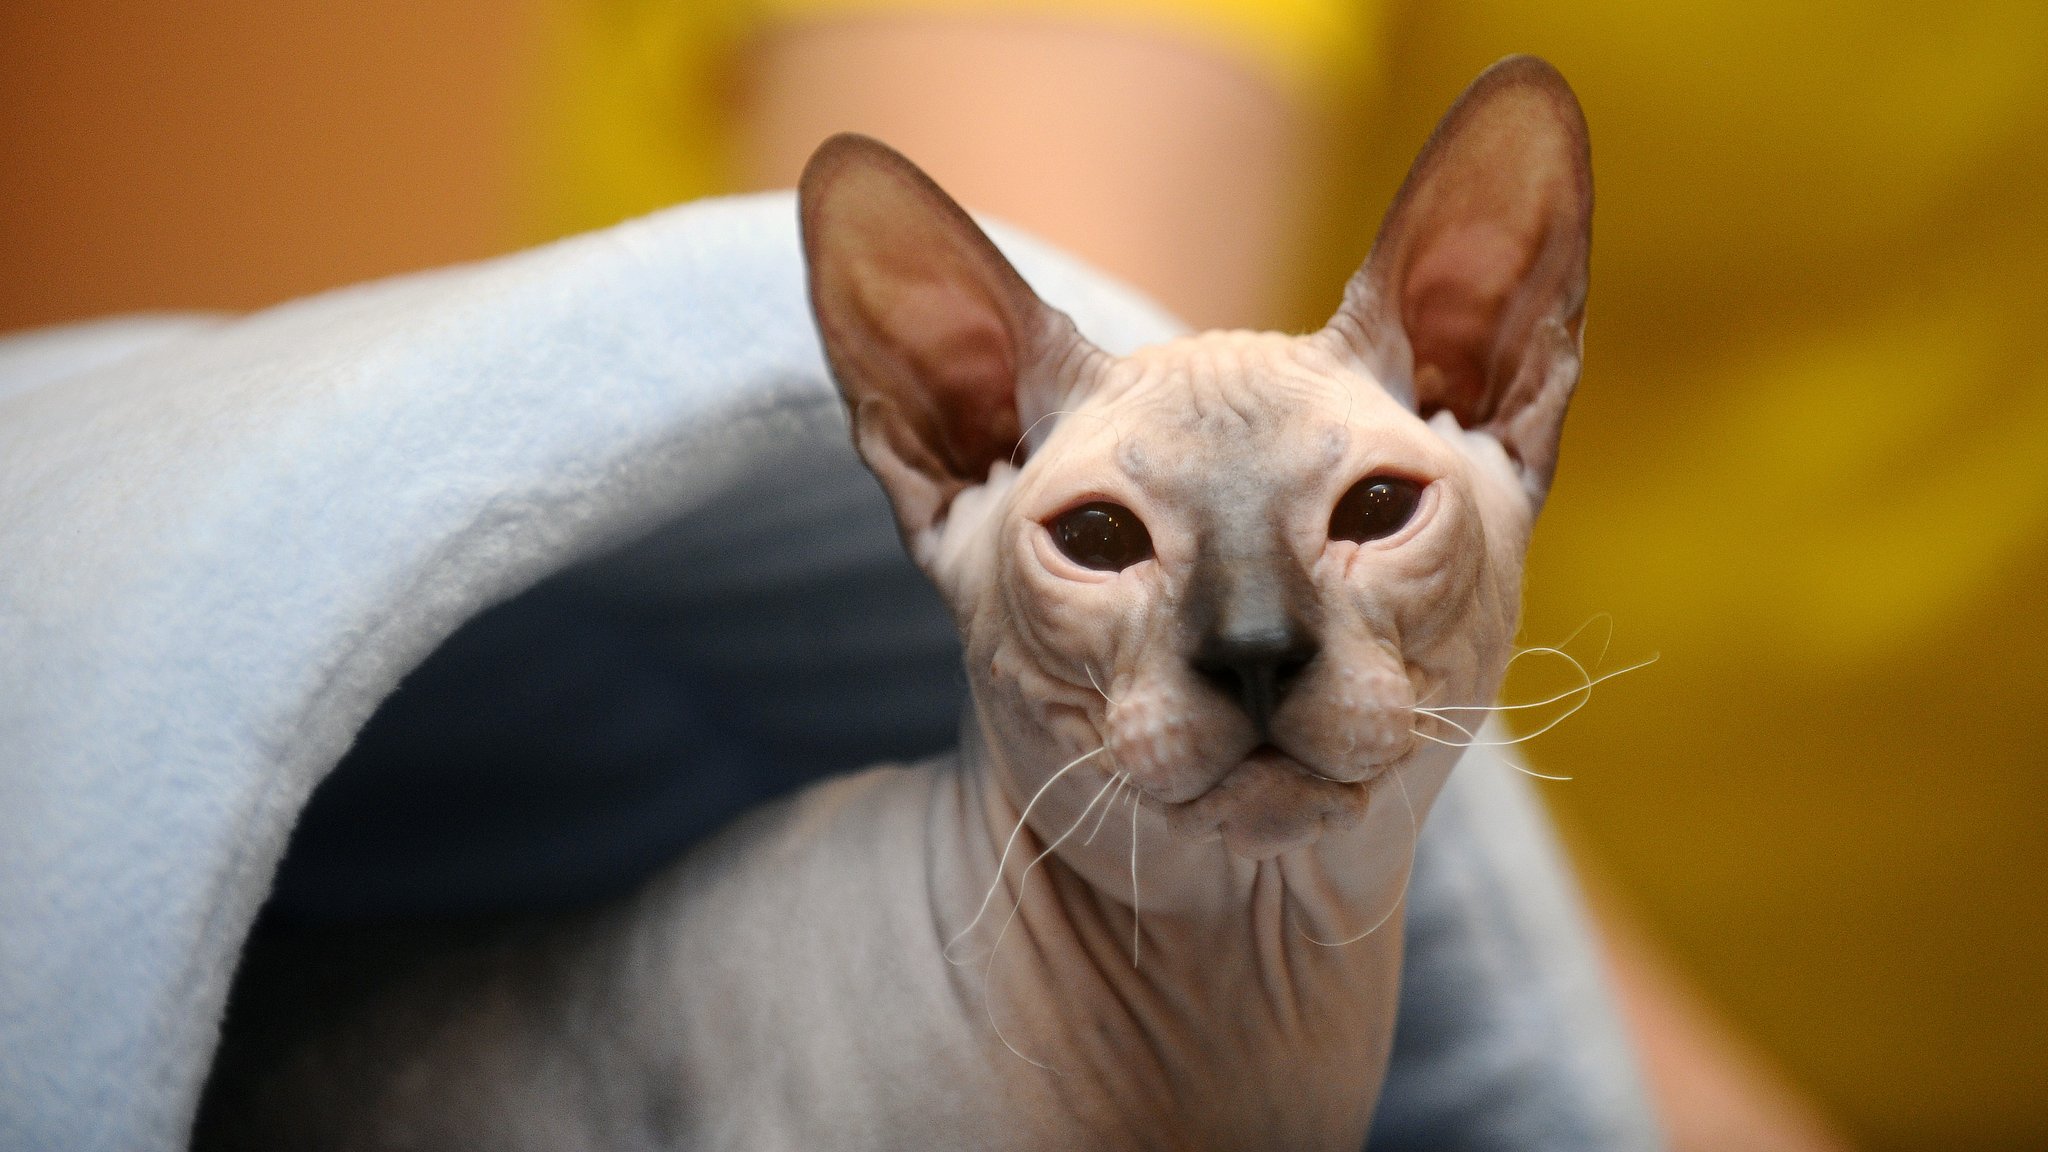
point(927, 327)
point(1452, 302)
point(952, 344)
point(1482, 261)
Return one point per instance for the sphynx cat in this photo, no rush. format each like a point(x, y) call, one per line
point(1203, 590)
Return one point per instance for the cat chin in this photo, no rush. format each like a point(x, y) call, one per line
point(1271, 804)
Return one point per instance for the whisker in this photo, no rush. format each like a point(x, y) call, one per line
point(988, 972)
point(1010, 844)
point(1350, 402)
point(1414, 837)
point(1583, 692)
point(1120, 779)
point(1468, 733)
point(1025, 437)
point(1049, 850)
point(1609, 639)
point(1554, 722)
point(1137, 798)
point(1564, 695)
point(1085, 667)
point(1376, 925)
point(1494, 744)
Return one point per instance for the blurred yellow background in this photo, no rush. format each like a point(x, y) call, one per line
point(1808, 463)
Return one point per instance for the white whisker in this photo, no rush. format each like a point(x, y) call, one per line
point(1040, 858)
point(1414, 836)
point(1350, 402)
point(988, 972)
point(1467, 732)
point(1583, 692)
point(1564, 695)
point(1554, 722)
point(1025, 438)
point(1137, 797)
point(1120, 779)
point(1609, 639)
point(998, 1030)
point(1493, 744)
point(1376, 925)
point(1085, 667)
point(1008, 845)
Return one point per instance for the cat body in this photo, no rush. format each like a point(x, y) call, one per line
point(1203, 590)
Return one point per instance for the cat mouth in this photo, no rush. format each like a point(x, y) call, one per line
point(1271, 803)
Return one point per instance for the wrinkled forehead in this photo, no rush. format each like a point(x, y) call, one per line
point(1231, 409)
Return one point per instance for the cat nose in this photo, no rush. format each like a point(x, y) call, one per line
point(1257, 666)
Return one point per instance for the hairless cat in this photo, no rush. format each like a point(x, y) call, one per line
point(1229, 606)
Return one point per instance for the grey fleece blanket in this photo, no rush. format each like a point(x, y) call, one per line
point(594, 507)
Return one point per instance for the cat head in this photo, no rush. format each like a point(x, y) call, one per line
point(1237, 561)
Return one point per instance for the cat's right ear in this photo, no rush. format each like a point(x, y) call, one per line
point(944, 355)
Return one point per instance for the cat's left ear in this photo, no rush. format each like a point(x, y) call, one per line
point(1474, 297)
point(944, 355)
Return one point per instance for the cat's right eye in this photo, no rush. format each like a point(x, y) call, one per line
point(1375, 507)
point(1104, 536)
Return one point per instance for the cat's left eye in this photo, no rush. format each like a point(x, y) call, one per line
point(1104, 536)
point(1375, 508)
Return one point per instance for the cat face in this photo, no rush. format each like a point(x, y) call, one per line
point(1237, 565)
point(1234, 563)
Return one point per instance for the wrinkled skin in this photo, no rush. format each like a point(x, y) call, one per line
point(1233, 448)
point(1151, 902)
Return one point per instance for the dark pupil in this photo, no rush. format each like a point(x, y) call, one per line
point(1106, 537)
point(1376, 506)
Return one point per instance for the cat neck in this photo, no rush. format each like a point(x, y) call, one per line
point(1228, 982)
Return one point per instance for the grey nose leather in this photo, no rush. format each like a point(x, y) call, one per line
point(1255, 644)
point(1253, 612)
point(1257, 666)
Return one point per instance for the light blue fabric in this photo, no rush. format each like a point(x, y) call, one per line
point(1507, 1037)
point(223, 543)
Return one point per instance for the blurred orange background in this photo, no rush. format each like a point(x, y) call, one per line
point(227, 154)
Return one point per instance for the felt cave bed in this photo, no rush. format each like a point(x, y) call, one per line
point(545, 566)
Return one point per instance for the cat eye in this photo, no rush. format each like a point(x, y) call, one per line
point(1104, 536)
point(1376, 507)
